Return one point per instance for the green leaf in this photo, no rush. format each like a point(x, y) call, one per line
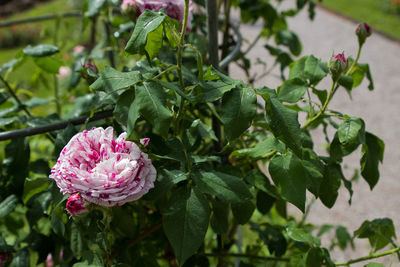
point(379, 232)
point(210, 91)
point(289, 176)
point(63, 138)
point(76, 241)
point(186, 221)
point(298, 234)
point(123, 105)
point(328, 192)
point(308, 68)
point(147, 23)
point(16, 162)
point(48, 64)
point(351, 130)
point(198, 130)
point(41, 50)
point(289, 39)
point(372, 154)
point(8, 205)
point(94, 7)
point(238, 110)
point(272, 237)
point(359, 73)
point(260, 150)
point(343, 237)
point(133, 116)
point(243, 211)
point(220, 217)
point(347, 82)
point(226, 187)
point(154, 42)
point(317, 257)
point(151, 100)
point(22, 258)
point(292, 90)
point(284, 123)
point(165, 181)
point(111, 80)
point(264, 202)
point(34, 187)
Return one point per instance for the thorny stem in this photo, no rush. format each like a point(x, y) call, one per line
point(324, 107)
point(179, 66)
point(369, 257)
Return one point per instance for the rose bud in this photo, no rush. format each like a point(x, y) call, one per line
point(337, 65)
point(89, 72)
point(363, 31)
point(103, 169)
point(77, 206)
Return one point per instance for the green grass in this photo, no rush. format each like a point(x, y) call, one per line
point(377, 13)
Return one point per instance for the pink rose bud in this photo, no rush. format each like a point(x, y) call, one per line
point(5, 258)
point(363, 31)
point(91, 66)
point(76, 206)
point(79, 49)
point(337, 65)
point(63, 72)
point(103, 169)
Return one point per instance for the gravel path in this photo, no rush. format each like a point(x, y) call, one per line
point(326, 35)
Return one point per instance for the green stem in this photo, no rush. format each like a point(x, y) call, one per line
point(13, 95)
point(164, 71)
point(179, 66)
point(324, 107)
point(57, 96)
point(369, 257)
point(355, 61)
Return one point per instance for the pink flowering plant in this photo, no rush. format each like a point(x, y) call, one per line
point(147, 153)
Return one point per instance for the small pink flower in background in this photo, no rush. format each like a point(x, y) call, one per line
point(49, 261)
point(5, 258)
point(63, 72)
point(79, 49)
point(104, 170)
point(363, 31)
point(76, 205)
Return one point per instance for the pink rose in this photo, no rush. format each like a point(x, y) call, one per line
point(49, 260)
point(79, 49)
point(174, 8)
point(103, 170)
point(63, 72)
point(76, 205)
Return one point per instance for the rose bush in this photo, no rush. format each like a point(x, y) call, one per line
point(213, 186)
